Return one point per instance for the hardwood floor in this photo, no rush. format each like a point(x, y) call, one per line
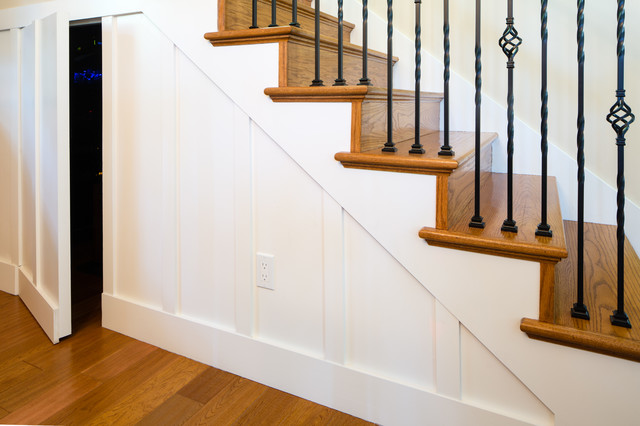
point(98, 376)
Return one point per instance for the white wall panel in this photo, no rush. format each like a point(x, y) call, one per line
point(28, 153)
point(9, 139)
point(390, 316)
point(487, 383)
point(141, 53)
point(288, 225)
point(49, 153)
point(207, 240)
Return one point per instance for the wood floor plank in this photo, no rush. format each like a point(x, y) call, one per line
point(60, 365)
point(54, 399)
point(113, 391)
point(306, 412)
point(228, 404)
point(207, 385)
point(174, 411)
point(151, 394)
point(114, 364)
point(271, 408)
point(98, 376)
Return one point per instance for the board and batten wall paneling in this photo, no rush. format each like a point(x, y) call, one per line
point(390, 315)
point(9, 103)
point(288, 225)
point(9, 157)
point(28, 161)
point(206, 188)
point(140, 72)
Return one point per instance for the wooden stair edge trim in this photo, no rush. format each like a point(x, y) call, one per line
point(272, 34)
point(510, 249)
point(581, 339)
point(344, 94)
point(389, 162)
point(486, 139)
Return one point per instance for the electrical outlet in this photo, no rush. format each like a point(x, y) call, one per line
point(264, 271)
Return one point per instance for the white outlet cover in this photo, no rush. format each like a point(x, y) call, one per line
point(265, 271)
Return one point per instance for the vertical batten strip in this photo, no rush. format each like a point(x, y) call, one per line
point(544, 229)
point(416, 148)
point(340, 81)
point(317, 81)
point(365, 81)
point(389, 146)
point(620, 117)
point(445, 149)
point(579, 309)
point(510, 43)
point(477, 221)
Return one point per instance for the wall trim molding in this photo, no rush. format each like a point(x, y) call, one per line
point(42, 309)
point(324, 382)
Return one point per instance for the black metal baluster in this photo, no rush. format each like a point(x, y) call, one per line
point(294, 14)
point(365, 81)
point(389, 146)
point(340, 81)
point(620, 117)
point(445, 149)
point(273, 14)
point(416, 148)
point(579, 309)
point(477, 221)
point(510, 43)
point(317, 81)
point(254, 14)
point(544, 229)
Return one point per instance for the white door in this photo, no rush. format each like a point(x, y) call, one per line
point(44, 214)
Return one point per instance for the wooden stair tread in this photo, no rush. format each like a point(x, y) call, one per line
point(491, 240)
point(427, 163)
point(297, 55)
point(343, 94)
point(600, 296)
point(273, 34)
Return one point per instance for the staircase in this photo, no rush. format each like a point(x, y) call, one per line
point(454, 176)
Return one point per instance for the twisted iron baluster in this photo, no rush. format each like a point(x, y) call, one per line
point(389, 146)
point(510, 43)
point(477, 221)
point(365, 81)
point(254, 14)
point(294, 14)
point(340, 81)
point(544, 229)
point(620, 117)
point(416, 148)
point(445, 149)
point(273, 13)
point(579, 309)
point(317, 81)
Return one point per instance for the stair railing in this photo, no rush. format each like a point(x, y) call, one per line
point(620, 117)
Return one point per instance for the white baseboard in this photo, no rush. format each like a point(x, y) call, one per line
point(8, 278)
point(43, 311)
point(355, 392)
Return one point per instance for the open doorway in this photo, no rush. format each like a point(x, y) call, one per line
point(85, 152)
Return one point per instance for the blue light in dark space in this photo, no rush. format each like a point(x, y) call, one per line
point(86, 76)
